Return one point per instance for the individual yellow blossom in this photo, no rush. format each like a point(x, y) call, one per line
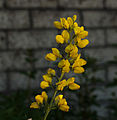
point(74, 52)
point(77, 39)
point(44, 84)
point(57, 98)
point(69, 48)
point(51, 72)
point(59, 39)
point(74, 17)
point(45, 96)
point(34, 105)
point(47, 78)
point(64, 23)
point(83, 34)
point(66, 68)
point(79, 70)
point(65, 34)
point(75, 25)
point(74, 86)
point(70, 80)
point(61, 84)
point(63, 105)
point(70, 21)
point(61, 63)
point(56, 52)
point(77, 30)
point(58, 24)
point(50, 57)
point(39, 99)
point(83, 43)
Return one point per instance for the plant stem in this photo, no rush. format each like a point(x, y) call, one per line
point(51, 102)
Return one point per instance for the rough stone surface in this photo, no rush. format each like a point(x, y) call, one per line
point(81, 3)
point(100, 19)
point(31, 3)
point(13, 60)
point(112, 36)
point(96, 37)
point(14, 19)
point(46, 18)
point(3, 43)
point(111, 4)
point(1, 3)
point(2, 81)
point(32, 39)
point(102, 55)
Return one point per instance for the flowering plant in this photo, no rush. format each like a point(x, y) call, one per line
point(72, 37)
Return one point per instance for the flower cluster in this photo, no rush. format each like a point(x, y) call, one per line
point(72, 37)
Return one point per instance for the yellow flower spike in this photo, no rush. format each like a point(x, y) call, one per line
point(83, 34)
point(65, 35)
point(59, 39)
point(70, 80)
point(83, 43)
point(69, 48)
point(74, 86)
point(44, 84)
point(74, 17)
point(58, 25)
point(51, 72)
point(47, 78)
point(50, 57)
point(79, 70)
point(70, 21)
point(64, 23)
point(39, 99)
point(34, 105)
point(64, 108)
point(56, 52)
point(61, 63)
point(61, 84)
point(45, 96)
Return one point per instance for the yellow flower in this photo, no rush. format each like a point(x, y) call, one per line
point(45, 96)
point(74, 86)
point(74, 52)
point(50, 57)
point(51, 72)
point(77, 30)
point(47, 78)
point(69, 48)
point(56, 52)
point(44, 84)
point(61, 84)
point(75, 24)
point(74, 17)
point(59, 39)
point(83, 34)
point(64, 23)
point(70, 80)
point(57, 98)
point(34, 105)
point(79, 70)
point(58, 24)
point(83, 43)
point(61, 63)
point(39, 99)
point(70, 21)
point(65, 34)
point(77, 39)
point(66, 67)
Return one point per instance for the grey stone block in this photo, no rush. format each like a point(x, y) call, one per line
point(101, 54)
point(2, 81)
point(13, 60)
point(14, 19)
point(31, 3)
point(46, 18)
point(112, 36)
point(112, 73)
point(3, 43)
point(111, 4)
point(100, 19)
point(96, 37)
point(32, 39)
point(81, 3)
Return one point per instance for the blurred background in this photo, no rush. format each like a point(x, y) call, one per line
point(27, 34)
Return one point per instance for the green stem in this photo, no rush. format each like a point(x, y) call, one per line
point(51, 102)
